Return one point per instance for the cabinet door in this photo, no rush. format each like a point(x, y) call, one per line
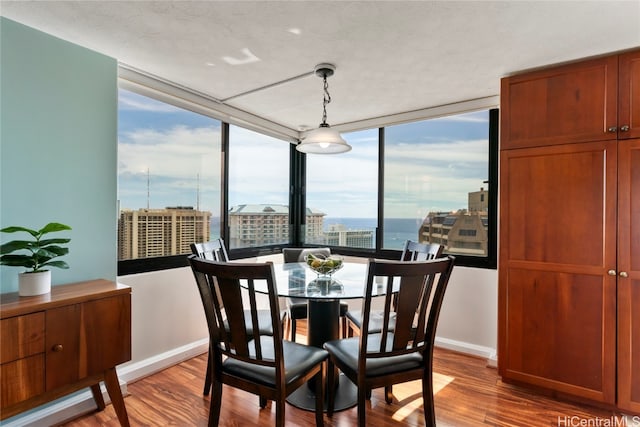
point(629, 88)
point(62, 346)
point(565, 104)
point(629, 265)
point(106, 334)
point(557, 301)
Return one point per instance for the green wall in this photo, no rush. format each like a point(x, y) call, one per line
point(58, 148)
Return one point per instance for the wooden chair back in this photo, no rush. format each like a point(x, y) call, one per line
point(418, 288)
point(414, 251)
point(227, 289)
point(213, 250)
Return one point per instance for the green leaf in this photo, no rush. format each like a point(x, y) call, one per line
point(47, 242)
point(15, 245)
point(34, 233)
point(58, 263)
point(18, 261)
point(53, 251)
point(52, 227)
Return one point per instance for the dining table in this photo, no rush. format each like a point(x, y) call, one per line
point(323, 294)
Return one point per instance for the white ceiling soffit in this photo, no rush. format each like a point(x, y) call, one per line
point(395, 60)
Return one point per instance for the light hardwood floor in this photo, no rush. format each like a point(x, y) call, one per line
point(468, 393)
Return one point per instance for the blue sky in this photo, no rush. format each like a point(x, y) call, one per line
point(429, 165)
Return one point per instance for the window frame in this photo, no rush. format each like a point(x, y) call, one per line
point(297, 199)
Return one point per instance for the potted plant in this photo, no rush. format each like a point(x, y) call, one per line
point(35, 254)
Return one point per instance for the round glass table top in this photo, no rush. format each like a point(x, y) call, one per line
point(297, 280)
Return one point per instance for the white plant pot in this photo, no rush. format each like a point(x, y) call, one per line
point(34, 283)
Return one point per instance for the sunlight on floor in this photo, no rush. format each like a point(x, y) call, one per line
point(410, 406)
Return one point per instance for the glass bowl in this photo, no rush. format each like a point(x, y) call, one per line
point(324, 266)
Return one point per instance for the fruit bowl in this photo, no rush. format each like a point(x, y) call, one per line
point(324, 266)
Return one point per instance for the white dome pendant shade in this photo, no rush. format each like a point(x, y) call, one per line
point(324, 140)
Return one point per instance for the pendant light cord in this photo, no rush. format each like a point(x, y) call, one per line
point(326, 100)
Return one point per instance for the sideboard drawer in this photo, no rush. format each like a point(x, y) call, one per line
point(21, 336)
point(21, 379)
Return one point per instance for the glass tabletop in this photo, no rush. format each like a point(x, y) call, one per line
point(296, 280)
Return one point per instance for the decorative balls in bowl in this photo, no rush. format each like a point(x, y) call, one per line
point(324, 266)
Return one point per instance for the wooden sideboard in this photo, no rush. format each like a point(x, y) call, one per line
point(63, 341)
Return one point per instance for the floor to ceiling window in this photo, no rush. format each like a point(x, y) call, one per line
point(342, 194)
point(258, 189)
point(435, 183)
point(169, 178)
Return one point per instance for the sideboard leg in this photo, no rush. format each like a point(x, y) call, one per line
point(113, 387)
point(97, 396)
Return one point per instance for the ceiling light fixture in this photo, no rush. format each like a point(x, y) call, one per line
point(324, 140)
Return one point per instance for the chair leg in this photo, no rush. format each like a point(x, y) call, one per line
point(320, 378)
point(216, 402)
point(263, 402)
point(388, 393)
point(293, 329)
point(207, 377)
point(331, 387)
point(280, 404)
point(428, 403)
point(362, 407)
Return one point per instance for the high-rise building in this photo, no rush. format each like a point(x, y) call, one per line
point(339, 235)
point(146, 233)
point(463, 232)
point(258, 225)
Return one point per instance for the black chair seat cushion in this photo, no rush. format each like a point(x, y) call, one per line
point(298, 359)
point(347, 350)
point(298, 309)
point(264, 323)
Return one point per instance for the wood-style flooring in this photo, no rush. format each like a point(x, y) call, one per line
point(468, 393)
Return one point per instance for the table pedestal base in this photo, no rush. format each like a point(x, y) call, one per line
point(346, 396)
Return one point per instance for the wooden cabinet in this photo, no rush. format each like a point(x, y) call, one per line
point(629, 275)
point(569, 263)
point(58, 343)
point(578, 102)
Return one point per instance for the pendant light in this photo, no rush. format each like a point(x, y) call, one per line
point(324, 140)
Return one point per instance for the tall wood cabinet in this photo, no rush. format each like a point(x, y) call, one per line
point(569, 262)
point(58, 343)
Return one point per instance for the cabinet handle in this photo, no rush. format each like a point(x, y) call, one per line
point(57, 348)
point(612, 129)
point(611, 272)
point(625, 128)
point(623, 274)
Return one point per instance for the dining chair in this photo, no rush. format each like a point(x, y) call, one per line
point(297, 308)
point(397, 355)
point(411, 251)
point(215, 250)
point(265, 365)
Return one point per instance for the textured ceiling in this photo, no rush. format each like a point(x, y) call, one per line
point(391, 57)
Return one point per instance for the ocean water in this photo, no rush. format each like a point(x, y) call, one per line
point(396, 230)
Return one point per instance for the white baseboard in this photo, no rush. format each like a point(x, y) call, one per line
point(133, 371)
point(468, 348)
point(69, 407)
point(80, 403)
